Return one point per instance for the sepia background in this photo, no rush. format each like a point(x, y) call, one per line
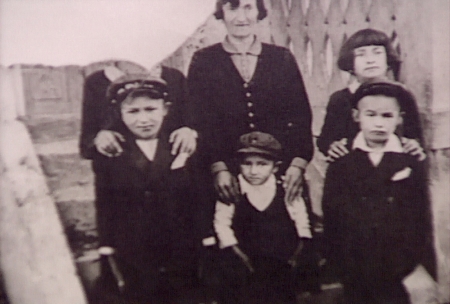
point(47, 226)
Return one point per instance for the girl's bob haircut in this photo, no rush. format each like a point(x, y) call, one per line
point(262, 11)
point(367, 37)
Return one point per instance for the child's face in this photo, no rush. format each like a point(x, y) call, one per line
point(257, 169)
point(240, 21)
point(378, 117)
point(143, 116)
point(370, 62)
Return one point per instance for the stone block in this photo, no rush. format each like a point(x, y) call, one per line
point(66, 171)
point(53, 128)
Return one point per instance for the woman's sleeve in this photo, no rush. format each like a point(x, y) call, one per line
point(332, 126)
point(411, 123)
point(298, 146)
point(204, 117)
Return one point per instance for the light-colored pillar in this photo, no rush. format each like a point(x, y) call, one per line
point(35, 259)
point(440, 143)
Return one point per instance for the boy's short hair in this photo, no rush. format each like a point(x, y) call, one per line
point(367, 37)
point(135, 85)
point(262, 11)
point(385, 88)
point(259, 143)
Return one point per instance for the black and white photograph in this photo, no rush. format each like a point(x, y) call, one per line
point(225, 152)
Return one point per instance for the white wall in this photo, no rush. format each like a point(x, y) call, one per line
point(58, 32)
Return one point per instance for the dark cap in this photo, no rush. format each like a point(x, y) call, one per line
point(137, 82)
point(385, 88)
point(259, 143)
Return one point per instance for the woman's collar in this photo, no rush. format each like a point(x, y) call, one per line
point(254, 48)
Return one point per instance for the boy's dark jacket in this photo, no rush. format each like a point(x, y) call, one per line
point(144, 207)
point(372, 222)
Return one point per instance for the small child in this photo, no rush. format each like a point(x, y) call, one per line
point(144, 197)
point(368, 55)
point(375, 202)
point(261, 237)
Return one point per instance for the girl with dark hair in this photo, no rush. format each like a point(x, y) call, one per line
point(368, 55)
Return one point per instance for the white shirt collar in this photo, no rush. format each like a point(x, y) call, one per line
point(148, 147)
point(393, 144)
point(259, 196)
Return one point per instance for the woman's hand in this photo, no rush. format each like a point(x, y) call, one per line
point(227, 187)
point(107, 143)
point(183, 140)
point(292, 183)
point(337, 149)
point(412, 147)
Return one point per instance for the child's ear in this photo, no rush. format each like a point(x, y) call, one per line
point(400, 118)
point(355, 115)
point(276, 166)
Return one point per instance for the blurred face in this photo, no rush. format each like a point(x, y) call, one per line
point(370, 62)
point(241, 21)
point(256, 169)
point(143, 116)
point(378, 117)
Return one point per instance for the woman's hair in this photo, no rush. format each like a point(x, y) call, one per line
point(367, 37)
point(262, 11)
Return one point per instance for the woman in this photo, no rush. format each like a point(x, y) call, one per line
point(242, 85)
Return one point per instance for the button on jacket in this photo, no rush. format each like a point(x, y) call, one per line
point(273, 101)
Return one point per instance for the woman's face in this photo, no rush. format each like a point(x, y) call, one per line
point(241, 21)
point(143, 116)
point(370, 62)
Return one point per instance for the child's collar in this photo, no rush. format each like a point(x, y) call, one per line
point(271, 183)
point(354, 85)
point(393, 144)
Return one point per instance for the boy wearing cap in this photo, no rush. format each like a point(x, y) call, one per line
point(145, 195)
point(261, 237)
point(375, 202)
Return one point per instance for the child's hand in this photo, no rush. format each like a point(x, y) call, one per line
point(107, 143)
point(337, 149)
point(412, 147)
point(183, 140)
point(243, 257)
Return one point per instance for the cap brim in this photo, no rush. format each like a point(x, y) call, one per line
point(253, 150)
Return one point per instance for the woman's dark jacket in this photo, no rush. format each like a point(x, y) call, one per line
point(274, 101)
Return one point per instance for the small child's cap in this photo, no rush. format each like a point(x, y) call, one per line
point(383, 87)
point(129, 83)
point(259, 143)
